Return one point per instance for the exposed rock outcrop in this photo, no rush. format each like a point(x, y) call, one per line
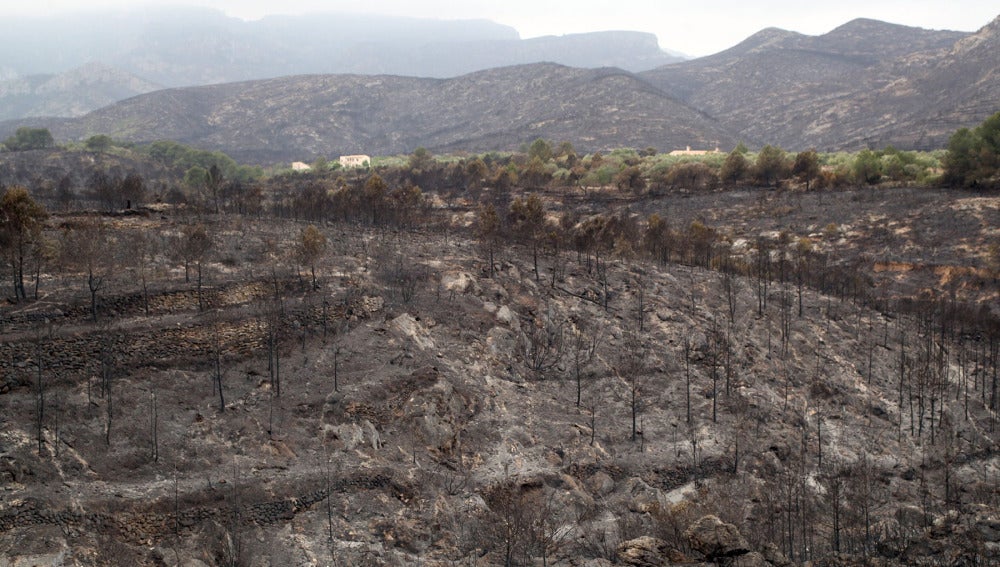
point(716, 539)
point(648, 551)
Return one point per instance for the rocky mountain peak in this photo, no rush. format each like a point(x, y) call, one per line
point(987, 37)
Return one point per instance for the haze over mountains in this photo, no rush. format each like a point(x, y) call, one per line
point(72, 93)
point(866, 83)
point(180, 47)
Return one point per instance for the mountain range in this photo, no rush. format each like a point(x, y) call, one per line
point(71, 93)
point(302, 117)
point(153, 48)
point(864, 84)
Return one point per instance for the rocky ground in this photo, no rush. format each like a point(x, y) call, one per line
point(413, 410)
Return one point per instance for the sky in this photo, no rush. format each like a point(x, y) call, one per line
point(695, 28)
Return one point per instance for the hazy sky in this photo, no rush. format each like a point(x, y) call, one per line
point(695, 27)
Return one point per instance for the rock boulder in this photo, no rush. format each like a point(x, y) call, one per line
point(648, 551)
point(716, 539)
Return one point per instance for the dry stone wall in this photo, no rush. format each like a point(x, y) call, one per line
point(143, 527)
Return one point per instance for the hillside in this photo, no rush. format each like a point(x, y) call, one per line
point(946, 92)
point(300, 118)
point(831, 91)
point(72, 93)
point(411, 409)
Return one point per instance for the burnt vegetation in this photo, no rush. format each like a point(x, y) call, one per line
point(524, 358)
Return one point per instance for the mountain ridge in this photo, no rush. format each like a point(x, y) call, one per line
point(173, 47)
point(306, 116)
point(71, 93)
point(820, 91)
point(843, 90)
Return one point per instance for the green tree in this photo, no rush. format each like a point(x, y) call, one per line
point(894, 164)
point(960, 163)
point(195, 177)
point(185, 158)
point(771, 165)
point(540, 149)
point(973, 156)
point(867, 167)
point(989, 133)
point(29, 139)
point(565, 149)
point(99, 143)
point(566, 153)
point(21, 220)
point(806, 166)
point(421, 159)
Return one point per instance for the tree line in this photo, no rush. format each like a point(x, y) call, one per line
point(971, 160)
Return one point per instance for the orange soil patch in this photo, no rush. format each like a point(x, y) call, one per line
point(894, 267)
point(947, 274)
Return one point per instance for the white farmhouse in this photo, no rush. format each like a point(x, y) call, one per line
point(689, 152)
point(359, 160)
